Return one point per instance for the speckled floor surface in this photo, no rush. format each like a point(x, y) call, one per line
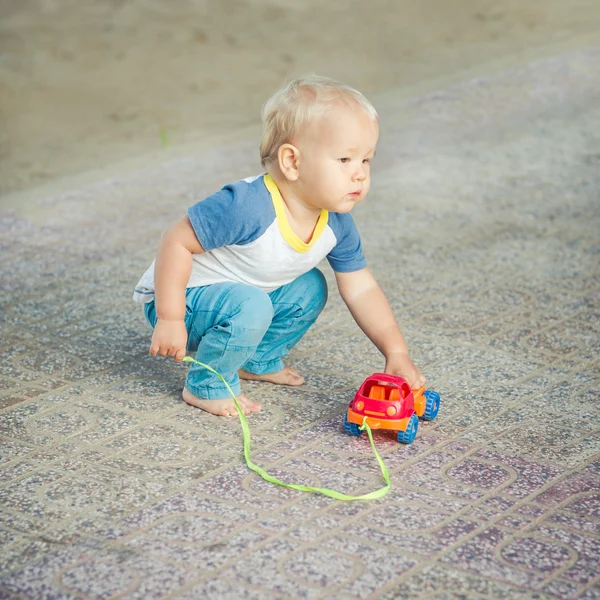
point(483, 228)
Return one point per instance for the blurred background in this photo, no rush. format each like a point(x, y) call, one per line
point(88, 85)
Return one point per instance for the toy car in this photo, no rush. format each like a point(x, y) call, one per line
point(388, 402)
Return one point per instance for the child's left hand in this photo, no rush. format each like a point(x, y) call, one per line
point(401, 365)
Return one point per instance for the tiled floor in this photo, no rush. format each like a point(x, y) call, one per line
point(483, 228)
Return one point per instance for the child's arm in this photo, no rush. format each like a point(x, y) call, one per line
point(373, 314)
point(171, 274)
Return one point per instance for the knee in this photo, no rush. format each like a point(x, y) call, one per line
point(253, 310)
point(313, 292)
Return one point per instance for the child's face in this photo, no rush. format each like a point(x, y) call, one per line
point(334, 171)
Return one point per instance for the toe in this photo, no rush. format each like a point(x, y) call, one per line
point(251, 407)
point(296, 379)
point(243, 407)
point(247, 405)
point(292, 377)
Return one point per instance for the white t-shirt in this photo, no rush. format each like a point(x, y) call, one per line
point(246, 236)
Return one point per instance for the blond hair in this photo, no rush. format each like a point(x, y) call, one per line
point(296, 104)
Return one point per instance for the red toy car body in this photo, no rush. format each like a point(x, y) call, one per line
point(388, 402)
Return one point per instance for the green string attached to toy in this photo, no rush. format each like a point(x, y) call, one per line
point(303, 488)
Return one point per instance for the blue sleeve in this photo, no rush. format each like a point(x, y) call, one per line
point(235, 215)
point(346, 256)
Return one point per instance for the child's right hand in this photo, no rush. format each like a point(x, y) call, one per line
point(169, 339)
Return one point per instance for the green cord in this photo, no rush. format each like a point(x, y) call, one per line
point(303, 488)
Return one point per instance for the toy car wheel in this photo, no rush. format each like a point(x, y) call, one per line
point(432, 405)
point(352, 428)
point(408, 436)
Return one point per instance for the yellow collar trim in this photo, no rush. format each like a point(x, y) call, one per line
point(284, 227)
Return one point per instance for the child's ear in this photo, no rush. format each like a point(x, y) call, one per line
point(289, 158)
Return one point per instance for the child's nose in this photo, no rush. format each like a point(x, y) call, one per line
point(360, 174)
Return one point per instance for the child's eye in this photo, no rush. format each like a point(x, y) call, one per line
point(344, 160)
point(367, 160)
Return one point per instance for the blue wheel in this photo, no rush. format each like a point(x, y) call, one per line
point(351, 428)
point(432, 406)
point(408, 436)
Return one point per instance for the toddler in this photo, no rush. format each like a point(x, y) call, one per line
point(236, 280)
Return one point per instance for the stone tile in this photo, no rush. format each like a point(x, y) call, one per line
point(405, 518)
point(326, 477)
point(187, 503)
point(514, 522)
point(219, 589)
point(10, 450)
point(530, 510)
point(173, 475)
point(97, 573)
point(321, 567)
point(585, 551)
point(480, 474)
point(491, 507)
point(439, 581)
point(591, 593)
point(261, 569)
point(530, 475)
point(422, 543)
point(205, 554)
point(421, 498)
point(379, 569)
point(21, 555)
point(583, 523)
point(570, 487)
point(535, 555)
point(562, 589)
point(479, 556)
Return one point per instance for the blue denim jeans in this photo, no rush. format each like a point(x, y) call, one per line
point(233, 325)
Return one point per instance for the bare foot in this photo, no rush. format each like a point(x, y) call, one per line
point(223, 407)
point(287, 376)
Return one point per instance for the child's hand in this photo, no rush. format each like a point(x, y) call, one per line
point(400, 364)
point(169, 339)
